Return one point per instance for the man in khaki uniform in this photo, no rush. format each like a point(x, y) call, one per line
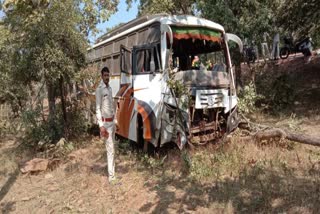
point(105, 117)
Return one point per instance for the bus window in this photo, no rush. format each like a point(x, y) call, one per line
point(144, 56)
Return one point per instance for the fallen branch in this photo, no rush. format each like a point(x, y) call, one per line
point(301, 138)
point(247, 121)
point(268, 133)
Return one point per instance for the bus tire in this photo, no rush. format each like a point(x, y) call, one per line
point(144, 145)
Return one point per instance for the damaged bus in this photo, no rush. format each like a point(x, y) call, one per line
point(172, 79)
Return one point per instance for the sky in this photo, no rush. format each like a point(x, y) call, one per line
point(122, 16)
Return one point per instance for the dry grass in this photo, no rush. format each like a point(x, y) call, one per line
point(230, 178)
point(7, 160)
point(238, 177)
point(246, 177)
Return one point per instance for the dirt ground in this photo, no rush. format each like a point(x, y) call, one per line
point(265, 177)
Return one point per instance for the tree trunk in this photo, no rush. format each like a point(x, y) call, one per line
point(280, 133)
point(63, 106)
point(51, 101)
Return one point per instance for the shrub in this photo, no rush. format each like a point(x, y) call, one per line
point(38, 128)
point(248, 98)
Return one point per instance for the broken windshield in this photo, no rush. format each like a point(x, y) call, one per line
point(196, 48)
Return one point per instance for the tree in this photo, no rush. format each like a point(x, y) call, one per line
point(245, 18)
point(93, 12)
point(48, 41)
point(10, 92)
point(301, 18)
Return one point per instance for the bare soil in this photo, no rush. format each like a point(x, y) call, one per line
point(263, 177)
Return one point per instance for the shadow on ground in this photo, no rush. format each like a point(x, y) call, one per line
point(255, 190)
point(6, 187)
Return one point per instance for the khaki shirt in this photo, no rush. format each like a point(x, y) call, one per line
point(104, 103)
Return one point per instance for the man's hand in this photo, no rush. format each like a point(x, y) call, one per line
point(103, 132)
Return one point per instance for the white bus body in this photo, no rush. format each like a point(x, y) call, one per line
point(146, 53)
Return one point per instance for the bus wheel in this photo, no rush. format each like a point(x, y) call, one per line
point(146, 146)
point(140, 141)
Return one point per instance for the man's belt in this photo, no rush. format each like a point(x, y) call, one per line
point(107, 119)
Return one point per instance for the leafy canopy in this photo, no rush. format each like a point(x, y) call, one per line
point(43, 46)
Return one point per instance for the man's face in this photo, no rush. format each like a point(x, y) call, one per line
point(105, 77)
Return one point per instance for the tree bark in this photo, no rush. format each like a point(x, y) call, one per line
point(280, 133)
point(63, 106)
point(51, 100)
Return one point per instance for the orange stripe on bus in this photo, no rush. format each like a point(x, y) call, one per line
point(124, 113)
point(139, 89)
point(146, 123)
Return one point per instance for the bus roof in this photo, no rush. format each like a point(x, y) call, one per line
point(136, 24)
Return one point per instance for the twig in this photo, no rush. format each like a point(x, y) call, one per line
point(262, 127)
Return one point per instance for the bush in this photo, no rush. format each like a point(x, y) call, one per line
point(50, 130)
point(77, 123)
point(248, 98)
point(282, 94)
point(37, 129)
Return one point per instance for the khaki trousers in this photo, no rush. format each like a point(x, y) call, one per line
point(109, 142)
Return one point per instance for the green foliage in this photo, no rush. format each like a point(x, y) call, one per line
point(88, 12)
point(248, 98)
point(124, 146)
point(178, 87)
point(181, 92)
point(52, 44)
point(44, 42)
point(165, 6)
point(277, 90)
point(215, 164)
point(37, 129)
point(14, 94)
point(201, 166)
point(301, 18)
point(248, 19)
point(93, 12)
point(77, 125)
point(153, 163)
point(186, 160)
point(245, 18)
point(282, 94)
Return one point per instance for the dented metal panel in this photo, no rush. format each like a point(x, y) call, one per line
point(209, 78)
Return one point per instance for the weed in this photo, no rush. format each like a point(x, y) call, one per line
point(218, 164)
point(153, 163)
point(248, 98)
point(123, 146)
point(185, 157)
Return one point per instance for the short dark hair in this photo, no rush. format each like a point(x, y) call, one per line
point(105, 69)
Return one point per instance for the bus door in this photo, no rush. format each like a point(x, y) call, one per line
point(124, 98)
point(147, 85)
